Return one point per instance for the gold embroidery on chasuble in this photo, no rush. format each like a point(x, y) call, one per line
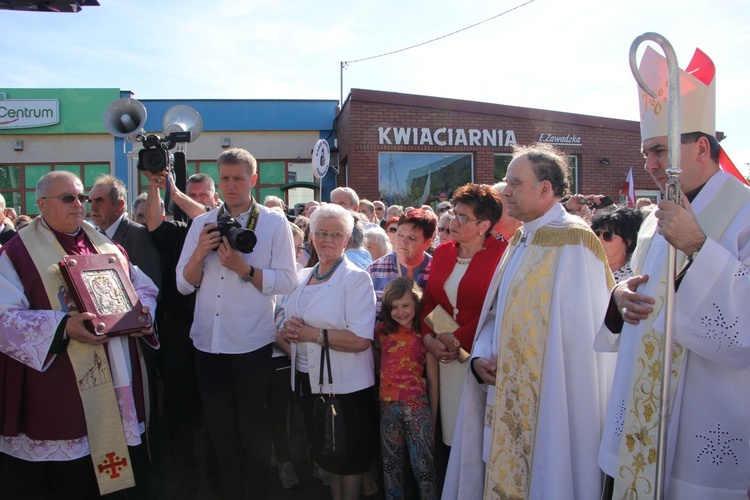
point(522, 350)
point(636, 460)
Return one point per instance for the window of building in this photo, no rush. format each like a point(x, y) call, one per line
point(18, 182)
point(503, 160)
point(414, 179)
point(652, 194)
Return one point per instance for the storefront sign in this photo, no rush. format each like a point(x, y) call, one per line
point(561, 140)
point(443, 136)
point(28, 113)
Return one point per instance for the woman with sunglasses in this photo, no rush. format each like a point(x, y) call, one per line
point(391, 227)
point(444, 228)
point(618, 232)
point(459, 279)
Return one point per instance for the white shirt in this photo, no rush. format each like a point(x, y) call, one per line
point(233, 316)
point(111, 230)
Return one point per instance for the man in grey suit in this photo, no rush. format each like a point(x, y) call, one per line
point(108, 211)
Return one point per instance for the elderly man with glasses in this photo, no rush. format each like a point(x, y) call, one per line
point(64, 374)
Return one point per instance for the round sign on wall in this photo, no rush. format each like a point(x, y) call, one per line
point(321, 157)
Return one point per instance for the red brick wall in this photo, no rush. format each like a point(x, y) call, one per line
point(357, 131)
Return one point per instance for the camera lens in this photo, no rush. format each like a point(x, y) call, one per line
point(153, 160)
point(244, 240)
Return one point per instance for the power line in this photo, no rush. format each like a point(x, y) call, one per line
point(344, 64)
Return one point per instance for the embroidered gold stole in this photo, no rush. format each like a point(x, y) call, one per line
point(521, 353)
point(106, 437)
point(636, 460)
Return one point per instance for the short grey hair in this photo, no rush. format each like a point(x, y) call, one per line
point(349, 192)
point(331, 210)
point(43, 186)
point(117, 190)
point(380, 238)
point(357, 239)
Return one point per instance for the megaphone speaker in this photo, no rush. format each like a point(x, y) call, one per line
point(182, 118)
point(125, 118)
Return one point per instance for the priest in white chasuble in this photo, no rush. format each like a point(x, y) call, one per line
point(532, 410)
point(708, 429)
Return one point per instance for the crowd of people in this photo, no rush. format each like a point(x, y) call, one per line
point(502, 342)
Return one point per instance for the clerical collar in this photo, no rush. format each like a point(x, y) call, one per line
point(74, 234)
point(692, 194)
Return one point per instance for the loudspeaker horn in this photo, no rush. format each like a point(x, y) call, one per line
point(125, 118)
point(182, 118)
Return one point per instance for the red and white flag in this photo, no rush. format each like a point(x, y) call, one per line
point(628, 190)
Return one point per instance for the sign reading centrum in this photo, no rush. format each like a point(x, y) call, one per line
point(28, 113)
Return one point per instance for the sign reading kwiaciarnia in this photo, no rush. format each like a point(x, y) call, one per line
point(28, 113)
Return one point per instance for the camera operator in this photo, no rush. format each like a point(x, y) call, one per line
point(233, 327)
point(176, 358)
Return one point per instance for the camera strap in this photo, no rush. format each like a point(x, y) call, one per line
point(252, 221)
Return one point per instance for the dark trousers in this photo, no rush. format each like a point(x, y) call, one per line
point(233, 388)
point(67, 480)
point(277, 407)
point(182, 405)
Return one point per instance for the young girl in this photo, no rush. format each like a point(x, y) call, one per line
point(407, 417)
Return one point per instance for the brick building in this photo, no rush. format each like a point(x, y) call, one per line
point(408, 149)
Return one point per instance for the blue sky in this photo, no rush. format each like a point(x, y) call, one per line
point(550, 54)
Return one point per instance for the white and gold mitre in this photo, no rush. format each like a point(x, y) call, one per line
point(697, 89)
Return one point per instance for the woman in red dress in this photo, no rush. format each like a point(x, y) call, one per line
point(458, 282)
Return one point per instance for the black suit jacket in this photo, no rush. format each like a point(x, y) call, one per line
point(142, 252)
point(6, 234)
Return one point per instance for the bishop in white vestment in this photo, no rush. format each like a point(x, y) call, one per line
point(708, 430)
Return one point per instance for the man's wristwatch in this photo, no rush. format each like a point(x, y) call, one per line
point(456, 342)
point(249, 276)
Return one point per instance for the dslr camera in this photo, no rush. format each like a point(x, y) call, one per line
point(241, 239)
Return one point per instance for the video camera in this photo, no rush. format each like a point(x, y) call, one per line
point(155, 155)
point(241, 239)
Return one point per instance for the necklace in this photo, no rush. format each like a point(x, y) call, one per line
point(321, 277)
point(463, 262)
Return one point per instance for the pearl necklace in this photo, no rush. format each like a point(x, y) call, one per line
point(321, 277)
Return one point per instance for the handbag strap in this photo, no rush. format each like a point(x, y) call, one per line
point(325, 362)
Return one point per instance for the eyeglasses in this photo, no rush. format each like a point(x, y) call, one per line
point(69, 198)
point(443, 209)
point(607, 236)
point(462, 218)
point(392, 229)
point(444, 230)
point(335, 235)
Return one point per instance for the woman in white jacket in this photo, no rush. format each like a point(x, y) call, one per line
point(338, 297)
